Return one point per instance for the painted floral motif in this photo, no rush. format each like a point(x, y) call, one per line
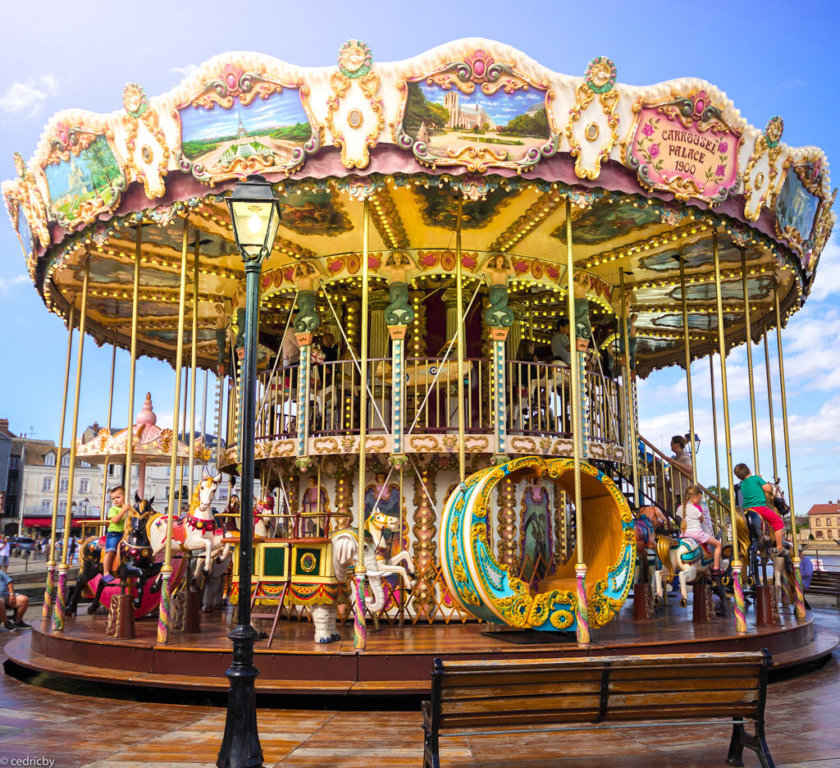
point(355, 59)
point(773, 131)
point(646, 146)
point(600, 75)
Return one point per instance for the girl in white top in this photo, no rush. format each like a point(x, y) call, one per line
point(696, 523)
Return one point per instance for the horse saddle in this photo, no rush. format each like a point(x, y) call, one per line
point(117, 556)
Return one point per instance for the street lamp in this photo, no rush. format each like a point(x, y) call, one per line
point(696, 443)
point(255, 214)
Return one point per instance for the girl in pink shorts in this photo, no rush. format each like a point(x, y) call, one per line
point(695, 523)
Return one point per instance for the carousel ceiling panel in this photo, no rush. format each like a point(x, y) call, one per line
point(610, 222)
point(694, 255)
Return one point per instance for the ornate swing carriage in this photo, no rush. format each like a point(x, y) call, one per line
point(467, 199)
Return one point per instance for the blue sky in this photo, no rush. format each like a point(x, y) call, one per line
point(767, 57)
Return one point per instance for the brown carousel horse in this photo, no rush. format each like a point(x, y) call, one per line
point(134, 557)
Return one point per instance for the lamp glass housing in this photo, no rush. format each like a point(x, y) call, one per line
point(255, 215)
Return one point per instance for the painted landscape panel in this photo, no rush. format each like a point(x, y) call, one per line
point(259, 135)
point(606, 221)
point(447, 121)
point(84, 184)
point(797, 207)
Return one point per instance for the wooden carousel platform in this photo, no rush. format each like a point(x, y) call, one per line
point(398, 660)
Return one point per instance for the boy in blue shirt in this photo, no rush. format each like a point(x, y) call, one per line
point(16, 603)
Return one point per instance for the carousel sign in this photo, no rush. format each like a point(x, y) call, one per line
point(684, 146)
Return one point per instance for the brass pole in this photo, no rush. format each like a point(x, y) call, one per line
point(632, 446)
point(110, 413)
point(360, 632)
point(687, 345)
point(61, 597)
point(750, 378)
point(459, 298)
point(770, 406)
point(166, 570)
point(715, 431)
point(49, 586)
point(799, 601)
point(740, 621)
point(583, 635)
point(193, 360)
point(132, 369)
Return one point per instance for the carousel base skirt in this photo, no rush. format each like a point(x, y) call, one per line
point(398, 660)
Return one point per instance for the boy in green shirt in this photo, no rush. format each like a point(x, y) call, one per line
point(753, 497)
point(114, 533)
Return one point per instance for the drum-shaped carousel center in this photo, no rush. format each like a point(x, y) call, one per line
point(475, 260)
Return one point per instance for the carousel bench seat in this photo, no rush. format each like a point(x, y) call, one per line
point(474, 698)
point(825, 583)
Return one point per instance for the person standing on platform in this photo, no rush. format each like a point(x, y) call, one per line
point(680, 480)
point(560, 344)
point(113, 536)
point(10, 600)
point(5, 551)
point(753, 494)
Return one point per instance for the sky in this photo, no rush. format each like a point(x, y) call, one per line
point(767, 56)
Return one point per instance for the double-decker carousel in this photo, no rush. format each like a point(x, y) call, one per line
point(476, 258)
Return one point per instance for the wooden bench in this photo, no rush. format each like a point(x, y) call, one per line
point(534, 695)
point(825, 583)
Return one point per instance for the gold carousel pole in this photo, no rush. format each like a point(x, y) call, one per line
point(799, 599)
point(582, 625)
point(49, 587)
point(459, 298)
point(747, 320)
point(166, 570)
point(102, 510)
point(740, 620)
point(770, 406)
point(687, 345)
point(132, 367)
point(715, 429)
point(193, 360)
point(632, 442)
point(360, 630)
point(61, 597)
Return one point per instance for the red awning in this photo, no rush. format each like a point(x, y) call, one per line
point(46, 522)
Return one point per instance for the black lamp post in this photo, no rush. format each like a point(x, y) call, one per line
point(696, 444)
point(255, 214)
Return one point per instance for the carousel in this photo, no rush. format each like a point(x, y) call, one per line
point(466, 264)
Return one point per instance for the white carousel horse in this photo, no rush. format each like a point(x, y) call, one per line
point(196, 531)
point(685, 558)
point(263, 520)
point(345, 547)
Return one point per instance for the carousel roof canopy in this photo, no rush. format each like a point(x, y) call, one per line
point(654, 174)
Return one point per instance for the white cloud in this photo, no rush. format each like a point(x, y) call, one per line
point(185, 71)
point(7, 283)
point(826, 280)
point(28, 97)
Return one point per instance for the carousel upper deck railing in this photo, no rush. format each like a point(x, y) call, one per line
point(537, 401)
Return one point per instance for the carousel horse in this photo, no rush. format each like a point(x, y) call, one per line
point(134, 558)
point(345, 543)
point(196, 531)
point(757, 540)
point(688, 559)
point(263, 520)
point(645, 523)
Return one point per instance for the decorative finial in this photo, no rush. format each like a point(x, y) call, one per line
point(147, 415)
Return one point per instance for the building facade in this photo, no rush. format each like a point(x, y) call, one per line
point(825, 521)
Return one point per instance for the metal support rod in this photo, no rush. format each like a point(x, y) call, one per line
point(49, 586)
point(799, 601)
point(193, 359)
point(687, 346)
point(132, 366)
point(166, 570)
point(110, 414)
point(740, 621)
point(580, 567)
point(715, 429)
point(459, 298)
point(750, 360)
point(632, 442)
point(770, 406)
point(360, 632)
point(61, 598)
